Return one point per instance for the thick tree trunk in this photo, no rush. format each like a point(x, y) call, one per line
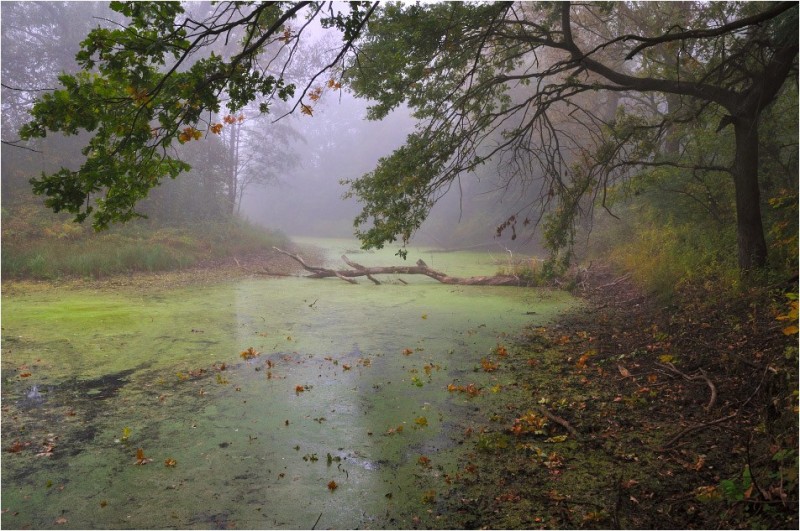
point(749, 227)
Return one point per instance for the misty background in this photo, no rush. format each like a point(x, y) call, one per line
point(281, 170)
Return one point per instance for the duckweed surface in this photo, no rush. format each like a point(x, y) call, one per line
point(264, 403)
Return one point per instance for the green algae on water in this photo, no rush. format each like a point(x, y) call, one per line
point(342, 371)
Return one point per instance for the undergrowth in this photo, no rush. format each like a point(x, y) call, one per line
point(37, 245)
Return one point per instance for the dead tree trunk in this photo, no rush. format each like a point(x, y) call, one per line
point(421, 268)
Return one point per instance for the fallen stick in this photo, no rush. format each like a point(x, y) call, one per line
point(693, 378)
point(690, 429)
point(558, 420)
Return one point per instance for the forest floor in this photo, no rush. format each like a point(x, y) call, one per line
point(628, 414)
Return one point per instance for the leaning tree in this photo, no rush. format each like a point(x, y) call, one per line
point(573, 98)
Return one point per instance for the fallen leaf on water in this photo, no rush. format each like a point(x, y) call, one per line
point(249, 354)
point(61, 520)
point(423, 460)
point(24, 375)
point(407, 352)
point(488, 366)
point(424, 315)
point(332, 485)
point(170, 462)
point(47, 450)
point(17, 447)
point(422, 421)
point(299, 389)
point(346, 367)
point(140, 458)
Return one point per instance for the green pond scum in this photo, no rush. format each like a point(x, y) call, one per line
point(258, 403)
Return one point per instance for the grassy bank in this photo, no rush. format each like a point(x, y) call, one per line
point(33, 248)
point(675, 418)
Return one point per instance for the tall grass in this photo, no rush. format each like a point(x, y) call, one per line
point(52, 253)
point(664, 255)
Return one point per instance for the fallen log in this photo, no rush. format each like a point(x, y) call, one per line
point(421, 268)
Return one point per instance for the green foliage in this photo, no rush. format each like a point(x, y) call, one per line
point(497, 81)
point(143, 89)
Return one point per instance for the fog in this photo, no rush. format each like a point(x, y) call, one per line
point(281, 170)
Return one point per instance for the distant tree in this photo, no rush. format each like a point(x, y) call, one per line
point(537, 73)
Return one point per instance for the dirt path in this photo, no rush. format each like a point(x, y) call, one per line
point(630, 414)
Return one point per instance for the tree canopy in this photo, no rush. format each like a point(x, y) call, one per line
point(520, 82)
point(155, 82)
point(569, 99)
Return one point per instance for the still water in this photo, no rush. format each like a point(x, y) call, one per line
point(137, 408)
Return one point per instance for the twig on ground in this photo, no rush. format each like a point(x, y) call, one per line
point(561, 422)
point(690, 429)
point(692, 378)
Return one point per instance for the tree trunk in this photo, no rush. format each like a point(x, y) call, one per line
point(421, 268)
point(749, 227)
point(233, 175)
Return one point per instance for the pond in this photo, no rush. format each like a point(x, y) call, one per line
point(258, 403)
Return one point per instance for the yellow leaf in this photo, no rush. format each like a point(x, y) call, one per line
point(790, 330)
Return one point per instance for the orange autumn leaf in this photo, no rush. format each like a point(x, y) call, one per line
point(299, 389)
point(488, 366)
point(140, 457)
point(170, 462)
point(332, 485)
point(16, 447)
point(305, 109)
point(407, 352)
point(249, 354)
point(424, 461)
point(501, 351)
